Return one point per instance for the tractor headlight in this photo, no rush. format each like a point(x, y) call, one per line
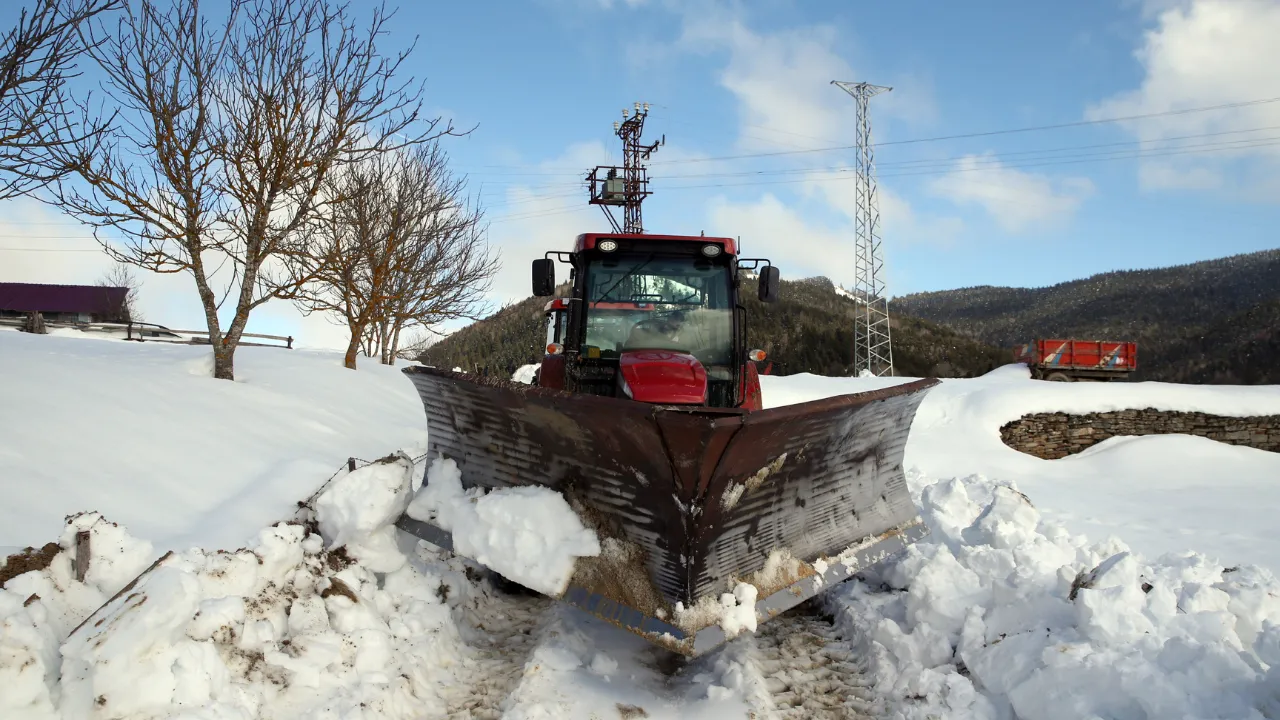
point(711, 250)
point(607, 245)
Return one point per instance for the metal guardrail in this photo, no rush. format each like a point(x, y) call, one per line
point(136, 331)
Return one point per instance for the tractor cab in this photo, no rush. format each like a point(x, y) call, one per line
point(653, 318)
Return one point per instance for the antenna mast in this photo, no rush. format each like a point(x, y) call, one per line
point(872, 349)
point(625, 186)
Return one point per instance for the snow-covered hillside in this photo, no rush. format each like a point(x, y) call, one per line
point(1072, 588)
point(141, 433)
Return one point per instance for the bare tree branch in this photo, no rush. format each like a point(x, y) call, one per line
point(227, 133)
point(121, 275)
point(396, 250)
point(37, 57)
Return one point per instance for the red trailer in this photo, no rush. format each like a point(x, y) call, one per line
point(1070, 360)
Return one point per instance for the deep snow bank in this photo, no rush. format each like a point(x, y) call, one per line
point(1161, 494)
point(318, 614)
point(999, 610)
point(142, 434)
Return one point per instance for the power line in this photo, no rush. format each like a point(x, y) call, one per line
point(1069, 161)
point(21, 249)
point(986, 158)
point(939, 138)
point(988, 133)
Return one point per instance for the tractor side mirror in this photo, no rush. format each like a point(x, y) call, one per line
point(544, 277)
point(769, 284)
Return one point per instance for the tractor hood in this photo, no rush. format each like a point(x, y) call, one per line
point(663, 377)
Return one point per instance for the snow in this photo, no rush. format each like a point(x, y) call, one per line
point(1049, 626)
point(1160, 493)
point(1136, 579)
point(845, 293)
point(357, 513)
point(142, 434)
point(528, 534)
point(524, 374)
point(263, 632)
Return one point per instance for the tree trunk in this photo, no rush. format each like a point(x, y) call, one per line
point(223, 356)
point(353, 348)
point(395, 347)
point(223, 360)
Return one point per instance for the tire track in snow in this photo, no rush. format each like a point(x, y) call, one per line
point(812, 672)
point(501, 630)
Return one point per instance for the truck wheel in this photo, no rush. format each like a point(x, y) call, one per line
point(1059, 377)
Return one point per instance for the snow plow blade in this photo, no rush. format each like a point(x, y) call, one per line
point(689, 501)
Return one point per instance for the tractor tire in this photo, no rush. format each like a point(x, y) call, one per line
point(1059, 377)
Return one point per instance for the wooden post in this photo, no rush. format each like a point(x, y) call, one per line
point(290, 338)
point(82, 555)
point(351, 464)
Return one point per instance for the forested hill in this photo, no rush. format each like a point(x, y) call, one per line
point(809, 329)
point(1209, 322)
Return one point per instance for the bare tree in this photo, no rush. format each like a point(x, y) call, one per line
point(37, 57)
point(345, 273)
point(446, 272)
point(229, 130)
point(125, 308)
point(398, 249)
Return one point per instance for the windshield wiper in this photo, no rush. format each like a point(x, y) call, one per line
point(605, 296)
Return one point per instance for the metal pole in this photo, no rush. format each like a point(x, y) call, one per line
point(872, 345)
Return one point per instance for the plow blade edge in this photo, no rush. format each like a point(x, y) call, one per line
point(689, 501)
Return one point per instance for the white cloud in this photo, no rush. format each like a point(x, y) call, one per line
point(771, 228)
point(900, 223)
point(531, 220)
point(782, 81)
point(1202, 53)
point(1015, 199)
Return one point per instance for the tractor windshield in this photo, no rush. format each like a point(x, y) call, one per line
point(651, 302)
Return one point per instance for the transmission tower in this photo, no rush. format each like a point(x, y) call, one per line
point(626, 186)
point(872, 349)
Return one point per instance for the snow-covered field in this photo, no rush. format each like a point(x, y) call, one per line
point(142, 434)
point(1073, 588)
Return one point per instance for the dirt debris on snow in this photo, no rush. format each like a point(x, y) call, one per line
point(28, 560)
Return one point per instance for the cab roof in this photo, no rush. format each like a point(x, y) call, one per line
point(587, 241)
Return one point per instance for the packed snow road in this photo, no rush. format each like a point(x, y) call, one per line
point(812, 672)
point(500, 631)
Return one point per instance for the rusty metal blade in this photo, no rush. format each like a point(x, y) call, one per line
point(812, 479)
point(689, 500)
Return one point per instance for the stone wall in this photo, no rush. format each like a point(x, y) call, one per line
point(1056, 435)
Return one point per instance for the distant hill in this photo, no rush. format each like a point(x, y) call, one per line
point(1209, 322)
point(809, 329)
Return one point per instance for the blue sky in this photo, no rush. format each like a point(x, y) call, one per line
point(544, 80)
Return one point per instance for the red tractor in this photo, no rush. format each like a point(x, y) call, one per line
point(647, 417)
point(653, 318)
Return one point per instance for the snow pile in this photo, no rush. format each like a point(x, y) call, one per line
point(1213, 498)
point(733, 611)
point(525, 373)
point(528, 534)
point(999, 610)
point(359, 512)
point(285, 628)
point(42, 606)
point(141, 433)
